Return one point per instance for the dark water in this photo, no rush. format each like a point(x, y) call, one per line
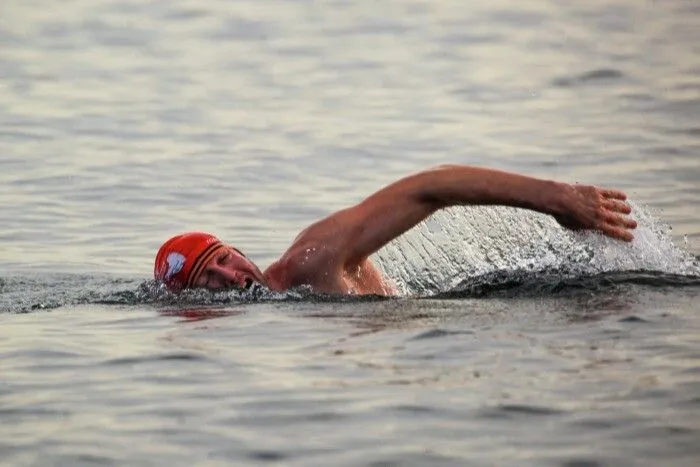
point(513, 343)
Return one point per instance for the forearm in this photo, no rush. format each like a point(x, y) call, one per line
point(450, 185)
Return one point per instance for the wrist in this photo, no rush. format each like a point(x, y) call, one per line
point(556, 195)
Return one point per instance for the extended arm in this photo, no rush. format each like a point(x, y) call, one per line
point(361, 230)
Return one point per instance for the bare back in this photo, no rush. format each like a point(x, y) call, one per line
point(299, 267)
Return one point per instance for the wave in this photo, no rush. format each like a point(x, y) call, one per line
point(446, 252)
point(24, 294)
point(555, 284)
point(457, 253)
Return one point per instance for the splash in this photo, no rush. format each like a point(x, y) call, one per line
point(454, 247)
point(21, 294)
point(459, 253)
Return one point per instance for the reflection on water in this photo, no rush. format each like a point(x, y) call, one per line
point(456, 378)
point(199, 313)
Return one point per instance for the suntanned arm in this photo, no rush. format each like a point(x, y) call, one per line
point(357, 232)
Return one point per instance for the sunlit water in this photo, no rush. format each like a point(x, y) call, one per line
point(514, 342)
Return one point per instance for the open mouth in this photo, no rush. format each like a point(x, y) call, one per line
point(248, 283)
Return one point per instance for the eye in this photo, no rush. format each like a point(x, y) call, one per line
point(223, 259)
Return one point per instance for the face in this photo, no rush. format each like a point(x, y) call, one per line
point(229, 269)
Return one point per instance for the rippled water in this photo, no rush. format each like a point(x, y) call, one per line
point(515, 342)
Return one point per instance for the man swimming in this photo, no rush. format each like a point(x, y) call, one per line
point(332, 255)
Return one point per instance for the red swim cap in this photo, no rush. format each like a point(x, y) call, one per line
point(180, 260)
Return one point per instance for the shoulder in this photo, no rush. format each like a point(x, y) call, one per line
point(304, 263)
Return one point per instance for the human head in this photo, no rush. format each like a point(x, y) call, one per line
point(199, 259)
point(180, 259)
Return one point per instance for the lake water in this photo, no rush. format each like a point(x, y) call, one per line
point(513, 343)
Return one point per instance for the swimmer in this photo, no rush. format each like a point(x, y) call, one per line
point(332, 255)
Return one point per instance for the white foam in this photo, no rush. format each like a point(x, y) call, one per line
point(463, 242)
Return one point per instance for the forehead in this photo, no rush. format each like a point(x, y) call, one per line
point(225, 250)
point(236, 250)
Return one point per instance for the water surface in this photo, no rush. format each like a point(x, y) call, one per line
point(514, 342)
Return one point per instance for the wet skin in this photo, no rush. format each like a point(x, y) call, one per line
point(332, 255)
point(229, 269)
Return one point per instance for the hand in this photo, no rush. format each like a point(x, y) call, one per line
point(592, 208)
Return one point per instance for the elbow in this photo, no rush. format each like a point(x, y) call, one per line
point(431, 188)
point(444, 168)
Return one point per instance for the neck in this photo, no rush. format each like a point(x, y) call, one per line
point(273, 281)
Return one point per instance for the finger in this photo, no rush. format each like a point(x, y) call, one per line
point(617, 206)
point(619, 220)
point(629, 223)
point(617, 232)
point(613, 194)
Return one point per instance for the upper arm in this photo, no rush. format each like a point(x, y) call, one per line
point(354, 233)
point(351, 235)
